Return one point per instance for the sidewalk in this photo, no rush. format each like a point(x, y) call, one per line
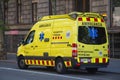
point(114, 65)
point(10, 58)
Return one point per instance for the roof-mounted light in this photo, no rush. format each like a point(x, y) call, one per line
point(74, 15)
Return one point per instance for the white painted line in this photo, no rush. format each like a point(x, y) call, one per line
point(43, 73)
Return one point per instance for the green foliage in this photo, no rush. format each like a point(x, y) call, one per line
point(4, 0)
point(116, 3)
point(2, 27)
point(1, 22)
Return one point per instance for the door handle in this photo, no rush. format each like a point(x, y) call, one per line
point(69, 45)
point(36, 46)
point(26, 52)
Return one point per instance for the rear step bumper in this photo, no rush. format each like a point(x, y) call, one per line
point(75, 64)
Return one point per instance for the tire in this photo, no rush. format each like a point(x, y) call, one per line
point(60, 66)
point(92, 70)
point(21, 63)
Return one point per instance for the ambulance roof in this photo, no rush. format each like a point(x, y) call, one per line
point(72, 15)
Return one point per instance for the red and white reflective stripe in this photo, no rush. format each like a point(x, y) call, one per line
point(88, 19)
point(97, 60)
point(30, 61)
point(27, 62)
point(74, 50)
point(43, 62)
point(96, 19)
point(104, 60)
point(91, 19)
point(40, 62)
point(67, 63)
point(34, 61)
point(52, 63)
point(47, 62)
point(94, 60)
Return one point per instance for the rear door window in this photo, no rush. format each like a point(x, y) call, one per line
point(91, 35)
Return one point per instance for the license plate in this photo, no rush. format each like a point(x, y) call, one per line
point(85, 60)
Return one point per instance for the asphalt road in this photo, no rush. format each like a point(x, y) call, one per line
point(10, 71)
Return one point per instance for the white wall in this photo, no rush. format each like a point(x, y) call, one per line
point(116, 16)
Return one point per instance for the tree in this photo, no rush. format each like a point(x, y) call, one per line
point(2, 52)
point(116, 3)
point(1, 15)
point(52, 7)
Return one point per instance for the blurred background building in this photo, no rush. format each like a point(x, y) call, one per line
point(20, 15)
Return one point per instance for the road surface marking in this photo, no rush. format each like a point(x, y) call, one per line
point(43, 73)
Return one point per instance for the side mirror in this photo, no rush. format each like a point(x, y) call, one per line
point(21, 42)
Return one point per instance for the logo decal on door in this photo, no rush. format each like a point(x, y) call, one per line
point(41, 36)
point(93, 33)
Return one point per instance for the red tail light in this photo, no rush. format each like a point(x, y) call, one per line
point(79, 19)
point(74, 45)
point(74, 50)
point(78, 64)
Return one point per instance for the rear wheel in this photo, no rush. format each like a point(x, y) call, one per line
point(92, 70)
point(60, 66)
point(21, 63)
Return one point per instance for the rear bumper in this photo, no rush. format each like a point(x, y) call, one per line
point(76, 64)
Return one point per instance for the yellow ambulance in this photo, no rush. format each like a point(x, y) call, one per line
point(76, 40)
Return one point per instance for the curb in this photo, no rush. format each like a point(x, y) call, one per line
point(8, 61)
point(113, 72)
point(115, 58)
